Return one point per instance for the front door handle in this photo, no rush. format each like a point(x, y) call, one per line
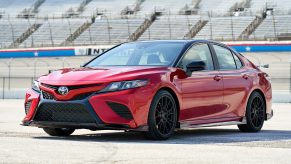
point(245, 76)
point(217, 78)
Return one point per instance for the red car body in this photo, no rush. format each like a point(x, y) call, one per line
point(205, 98)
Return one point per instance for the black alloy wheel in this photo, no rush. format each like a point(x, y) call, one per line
point(255, 114)
point(162, 116)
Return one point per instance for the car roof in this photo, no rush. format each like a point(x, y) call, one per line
point(182, 41)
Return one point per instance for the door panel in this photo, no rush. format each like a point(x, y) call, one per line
point(202, 96)
point(236, 89)
point(202, 92)
point(237, 81)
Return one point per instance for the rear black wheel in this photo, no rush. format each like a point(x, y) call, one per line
point(255, 114)
point(58, 131)
point(162, 116)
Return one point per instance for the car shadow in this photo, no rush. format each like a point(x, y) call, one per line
point(193, 136)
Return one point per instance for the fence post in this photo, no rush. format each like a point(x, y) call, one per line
point(34, 68)
point(149, 31)
point(51, 34)
point(90, 36)
point(274, 26)
point(9, 72)
point(169, 23)
point(210, 23)
point(12, 32)
point(3, 88)
point(128, 27)
point(108, 30)
point(231, 25)
point(63, 62)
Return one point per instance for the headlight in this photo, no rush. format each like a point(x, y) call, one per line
point(35, 86)
point(122, 85)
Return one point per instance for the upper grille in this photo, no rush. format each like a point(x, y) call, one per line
point(47, 95)
point(63, 112)
point(27, 106)
point(54, 87)
point(50, 86)
point(121, 110)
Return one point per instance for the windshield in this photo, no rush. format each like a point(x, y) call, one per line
point(140, 54)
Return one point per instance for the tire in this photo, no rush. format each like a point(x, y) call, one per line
point(58, 131)
point(162, 117)
point(255, 114)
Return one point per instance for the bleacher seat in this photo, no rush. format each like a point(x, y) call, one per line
point(11, 8)
point(12, 29)
point(53, 32)
point(170, 27)
point(271, 27)
point(224, 28)
point(112, 31)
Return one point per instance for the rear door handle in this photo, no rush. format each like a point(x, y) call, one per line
point(245, 76)
point(217, 78)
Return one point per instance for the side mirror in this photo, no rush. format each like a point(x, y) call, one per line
point(263, 66)
point(195, 66)
point(82, 65)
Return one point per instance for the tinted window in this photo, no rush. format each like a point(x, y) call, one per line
point(198, 52)
point(225, 58)
point(237, 62)
point(140, 53)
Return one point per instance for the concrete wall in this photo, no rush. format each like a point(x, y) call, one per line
point(281, 46)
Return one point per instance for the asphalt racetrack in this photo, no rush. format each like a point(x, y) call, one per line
point(223, 144)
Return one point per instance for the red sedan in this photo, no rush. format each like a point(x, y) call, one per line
point(154, 87)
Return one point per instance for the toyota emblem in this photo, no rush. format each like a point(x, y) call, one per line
point(63, 90)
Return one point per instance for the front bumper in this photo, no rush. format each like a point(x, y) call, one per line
point(269, 115)
point(106, 111)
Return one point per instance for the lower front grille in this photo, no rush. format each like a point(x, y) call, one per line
point(121, 110)
point(82, 96)
point(27, 106)
point(63, 112)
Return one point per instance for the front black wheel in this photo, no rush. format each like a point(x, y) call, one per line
point(162, 116)
point(255, 114)
point(58, 131)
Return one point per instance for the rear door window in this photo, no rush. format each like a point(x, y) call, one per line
point(225, 58)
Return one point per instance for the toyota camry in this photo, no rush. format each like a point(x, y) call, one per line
point(155, 87)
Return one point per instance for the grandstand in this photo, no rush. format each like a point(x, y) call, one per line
point(56, 23)
point(108, 31)
point(47, 23)
point(224, 28)
point(11, 29)
point(169, 6)
point(57, 8)
point(108, 7)
point(53, 32)
point(170, 27)
point(217, 7)
point(13, 7)
point(273, 27)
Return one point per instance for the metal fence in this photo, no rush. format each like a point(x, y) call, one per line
point(14, 87)
point(274, 27)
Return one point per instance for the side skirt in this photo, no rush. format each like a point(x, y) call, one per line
point(187, 126)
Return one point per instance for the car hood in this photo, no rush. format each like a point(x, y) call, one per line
point(79, 76)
